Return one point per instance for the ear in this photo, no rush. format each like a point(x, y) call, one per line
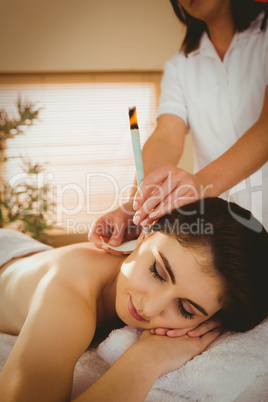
point(140, 238)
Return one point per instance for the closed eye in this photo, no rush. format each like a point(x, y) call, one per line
point(158, 277)
point(184, 312)
point(155, 273)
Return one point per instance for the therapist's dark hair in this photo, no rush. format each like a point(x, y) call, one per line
point(235, 245)
point(244, 11)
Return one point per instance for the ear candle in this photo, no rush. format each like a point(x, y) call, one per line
point(136, 145)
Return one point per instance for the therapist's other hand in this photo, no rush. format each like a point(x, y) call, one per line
point(114, 228)
point(163, 190)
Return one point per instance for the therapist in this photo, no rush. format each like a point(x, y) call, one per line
point(216, 86)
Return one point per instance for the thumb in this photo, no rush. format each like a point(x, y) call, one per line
point(117, 235)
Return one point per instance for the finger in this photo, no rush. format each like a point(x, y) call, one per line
point(156, 186)
point(99, 231)
point(148, 205)
point(156, 197)
point(117, 235)
point(149, 198)
point(160, 192)
point(95, 240)
point(161, 331)
point(145, 333)
point(149, 183)
point(174, 333)
point(210, 337)
point(205, 327)
point(170, 204)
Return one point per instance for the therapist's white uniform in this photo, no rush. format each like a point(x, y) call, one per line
point(219, 101)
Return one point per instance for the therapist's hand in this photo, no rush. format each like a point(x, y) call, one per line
point(163, 190)
point(114, 228)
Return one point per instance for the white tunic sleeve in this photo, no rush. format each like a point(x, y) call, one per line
point(172, 98)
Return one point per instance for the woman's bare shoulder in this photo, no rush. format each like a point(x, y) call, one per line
point(84, 256)
point(84, 264)
point(81, 268)
point(76, 264)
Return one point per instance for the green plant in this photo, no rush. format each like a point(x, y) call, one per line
point(28, 201)
point(10, 127)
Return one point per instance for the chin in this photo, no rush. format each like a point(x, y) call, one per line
point(122, 315)
point(201, 10)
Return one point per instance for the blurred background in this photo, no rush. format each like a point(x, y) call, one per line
point(69, 70)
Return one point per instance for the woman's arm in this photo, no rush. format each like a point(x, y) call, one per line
point(134, 373)
point(175, 187)
point(58, 329)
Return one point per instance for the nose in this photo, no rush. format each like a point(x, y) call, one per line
point(155, 305)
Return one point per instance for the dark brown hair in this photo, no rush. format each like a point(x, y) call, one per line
point(244, 12)
point(237, 247)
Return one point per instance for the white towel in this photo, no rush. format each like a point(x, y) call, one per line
point(15, 244)
point(225, 371)
point(237, 359)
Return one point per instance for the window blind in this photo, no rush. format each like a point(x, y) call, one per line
point(82, 138)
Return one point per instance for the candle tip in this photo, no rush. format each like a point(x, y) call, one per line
point(132, 111)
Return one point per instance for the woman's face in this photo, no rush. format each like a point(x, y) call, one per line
point(207, 10)
point(161, 284)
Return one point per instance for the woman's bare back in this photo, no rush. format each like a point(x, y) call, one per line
point(80, 263)
point(55, 299)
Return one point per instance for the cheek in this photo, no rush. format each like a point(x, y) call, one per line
point(127, 269)
point(135, 277)
point(129, 275)
point(134, 271)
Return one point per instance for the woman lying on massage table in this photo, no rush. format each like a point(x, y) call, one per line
point(211, 257)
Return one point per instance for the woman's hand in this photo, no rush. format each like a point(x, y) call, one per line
point(206, 326)
point(165, 189)
point(172, 353)
point(114, 228)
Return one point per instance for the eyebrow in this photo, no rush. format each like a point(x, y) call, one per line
point(198, 307)
point(168, 268)
point(173, 280)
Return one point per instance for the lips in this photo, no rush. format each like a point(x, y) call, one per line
point(133, 311)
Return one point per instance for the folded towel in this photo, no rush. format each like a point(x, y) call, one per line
point(222, 373)
point(16, 244)
point(196, 381)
